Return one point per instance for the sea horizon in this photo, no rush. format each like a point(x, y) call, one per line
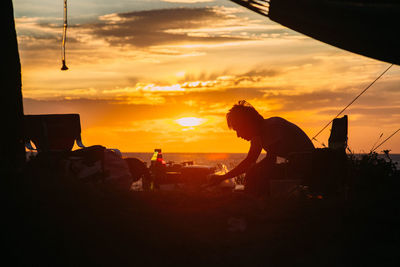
point(214, 158)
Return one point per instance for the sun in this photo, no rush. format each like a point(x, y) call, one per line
point(190, 121)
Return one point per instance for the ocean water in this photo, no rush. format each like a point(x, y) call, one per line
point(209, 159)
point(212, 159)
point(396, 158)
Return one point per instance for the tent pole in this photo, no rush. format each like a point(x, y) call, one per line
point(12, 145)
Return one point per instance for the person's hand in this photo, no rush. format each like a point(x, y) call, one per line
point(215, 179)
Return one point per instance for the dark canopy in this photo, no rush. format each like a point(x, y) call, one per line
point(365, 27)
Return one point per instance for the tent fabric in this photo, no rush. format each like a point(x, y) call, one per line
point(365, 27)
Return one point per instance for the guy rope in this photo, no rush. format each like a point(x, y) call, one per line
point(384, 141)
point(351, 102)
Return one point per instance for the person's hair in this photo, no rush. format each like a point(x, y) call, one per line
point(240, 113)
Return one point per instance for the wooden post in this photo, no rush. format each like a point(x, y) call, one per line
point(12, 146)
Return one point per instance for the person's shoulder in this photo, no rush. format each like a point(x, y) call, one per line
point(274, 120)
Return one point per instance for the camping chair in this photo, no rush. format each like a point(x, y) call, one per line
point(329, 165)
point(53, 132)
point(54, 136)
point(324, 169)
point(338, 137)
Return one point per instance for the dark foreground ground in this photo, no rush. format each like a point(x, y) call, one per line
point(53, 221)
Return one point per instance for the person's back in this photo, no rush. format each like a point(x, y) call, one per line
point(281, 137)
point(277, 136)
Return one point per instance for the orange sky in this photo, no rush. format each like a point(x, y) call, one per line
point(137, 67)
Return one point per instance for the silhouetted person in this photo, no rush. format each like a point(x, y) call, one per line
point(277, 136)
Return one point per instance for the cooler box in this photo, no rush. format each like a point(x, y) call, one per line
point(196, 175)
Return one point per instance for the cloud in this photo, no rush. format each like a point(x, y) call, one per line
point(113, 111)
point(188, 1)
point(141, 35)
point(160, 27)
point(152, 89)
point(378, 116)
point(145, 36)
point(213, 93)
point(292, 99)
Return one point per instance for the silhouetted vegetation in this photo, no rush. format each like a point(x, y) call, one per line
point(373, 176)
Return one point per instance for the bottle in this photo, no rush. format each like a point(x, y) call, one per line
point(157, 168)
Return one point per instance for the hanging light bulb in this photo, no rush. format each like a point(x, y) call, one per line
point(64, 38)
point(64, 67)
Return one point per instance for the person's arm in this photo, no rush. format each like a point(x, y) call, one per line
point(251, 158)
point(271, 153)
point(271, 157)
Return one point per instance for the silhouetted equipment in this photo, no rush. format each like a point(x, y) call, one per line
point(196, 175)
point(325, 169)
point(329, 173)
point(138, 169)
point(53, 132)
point(338, 137)
point(365, 27)
point(54, 136)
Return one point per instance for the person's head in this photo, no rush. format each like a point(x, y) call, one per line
point(244, 119)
